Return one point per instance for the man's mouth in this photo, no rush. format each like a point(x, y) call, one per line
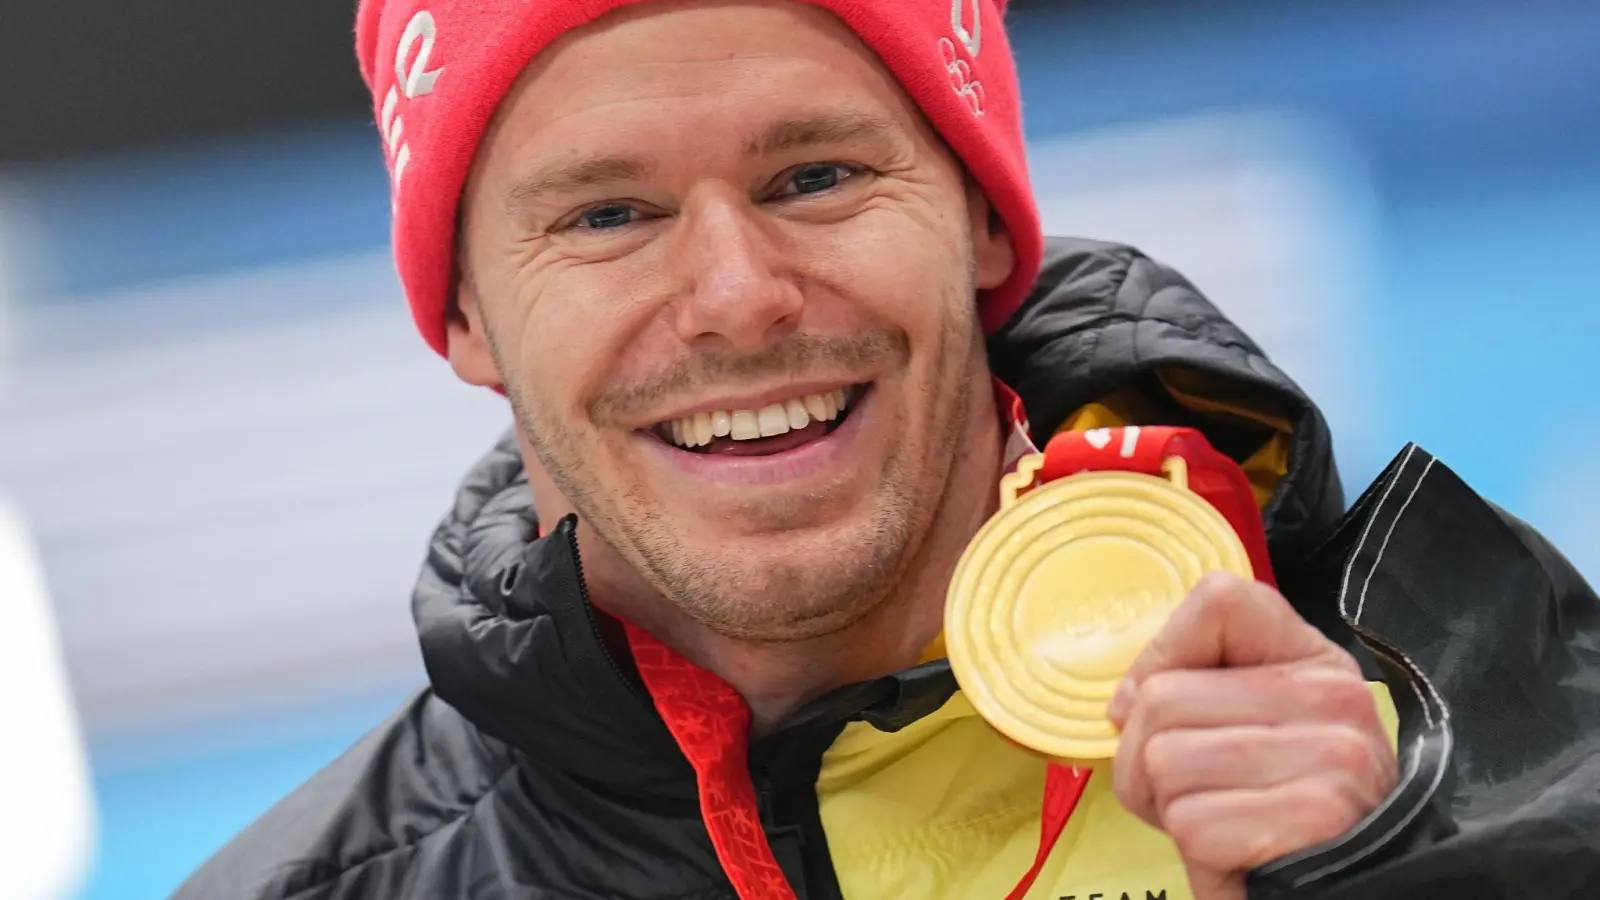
point(775, 428)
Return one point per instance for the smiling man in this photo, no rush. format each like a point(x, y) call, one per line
point(763, 386)
point(759, 279)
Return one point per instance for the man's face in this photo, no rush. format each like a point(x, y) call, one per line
point(726, 274)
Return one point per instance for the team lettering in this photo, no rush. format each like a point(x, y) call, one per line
point(1126, 895)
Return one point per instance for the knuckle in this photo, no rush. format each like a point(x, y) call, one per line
point(1164, 759)
point(1342, 659)
point(1260, 847)
point(1185, 822)
point(1325, 811)
point(1160, 694)
point(1340, 696)
point(1347, 750)
point(1129, 788)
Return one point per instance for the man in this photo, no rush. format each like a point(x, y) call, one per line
point(758, 278)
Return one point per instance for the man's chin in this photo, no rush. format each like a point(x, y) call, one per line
point(776, 525)
point(783, 586)
point(786, 603)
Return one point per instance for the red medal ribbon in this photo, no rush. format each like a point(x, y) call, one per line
point(1213, 475)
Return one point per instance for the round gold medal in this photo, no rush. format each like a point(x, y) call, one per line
point(1063, 587)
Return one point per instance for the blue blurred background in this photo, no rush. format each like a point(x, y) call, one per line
point(231, 448)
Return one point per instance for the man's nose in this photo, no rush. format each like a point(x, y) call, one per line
point(737, 292)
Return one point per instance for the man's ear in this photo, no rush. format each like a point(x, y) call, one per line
point(466, 341)
point(991, 244)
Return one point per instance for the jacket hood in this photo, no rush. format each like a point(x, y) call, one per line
point(509, 637)
point(1104, 318)
point(510, 640)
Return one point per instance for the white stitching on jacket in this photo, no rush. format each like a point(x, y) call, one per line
point(1350, 564)
point(1379, 645)
point(1361, 602)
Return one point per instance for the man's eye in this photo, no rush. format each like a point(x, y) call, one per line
point(815, 179)
point(601, 218)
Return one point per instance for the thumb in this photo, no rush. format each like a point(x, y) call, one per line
point(1228, 621)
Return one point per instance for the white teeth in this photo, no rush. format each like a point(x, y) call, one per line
point(744, 427)
point(774, 420)
point(700, 429)
point(798, 417)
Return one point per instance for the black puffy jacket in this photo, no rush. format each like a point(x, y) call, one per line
point(534, 766)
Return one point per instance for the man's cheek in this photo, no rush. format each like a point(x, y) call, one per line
point(549, 384)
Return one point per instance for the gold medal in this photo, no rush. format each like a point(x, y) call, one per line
point(1063, 587)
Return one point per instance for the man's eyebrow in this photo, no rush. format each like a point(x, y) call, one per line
point(580, 174)
point(833, 128)
point(779, 137)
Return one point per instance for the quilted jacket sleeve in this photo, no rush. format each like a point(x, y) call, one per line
point(356, 828)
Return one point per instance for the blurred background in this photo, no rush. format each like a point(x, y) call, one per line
point(228, 447)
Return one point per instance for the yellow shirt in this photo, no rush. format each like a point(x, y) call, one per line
point(947, 807)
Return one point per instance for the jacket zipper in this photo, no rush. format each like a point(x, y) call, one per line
point(761, 780)
point(788, 841)
point(594, 623)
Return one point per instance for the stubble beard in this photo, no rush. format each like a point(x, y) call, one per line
point(780, 597)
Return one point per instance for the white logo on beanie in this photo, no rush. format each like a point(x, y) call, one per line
point(970, 34)
point(417, 81)
point(972, 38)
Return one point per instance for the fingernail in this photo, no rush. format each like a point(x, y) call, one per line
point(1121, 701)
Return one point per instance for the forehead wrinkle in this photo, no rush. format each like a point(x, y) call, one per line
point(569, 176)
point(823, 129)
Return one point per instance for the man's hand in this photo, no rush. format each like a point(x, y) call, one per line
point(1246, 735)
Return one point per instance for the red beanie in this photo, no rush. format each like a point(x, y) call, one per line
point(439, 68)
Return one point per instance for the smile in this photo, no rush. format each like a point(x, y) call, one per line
point(774, 428)
point(807, 439)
